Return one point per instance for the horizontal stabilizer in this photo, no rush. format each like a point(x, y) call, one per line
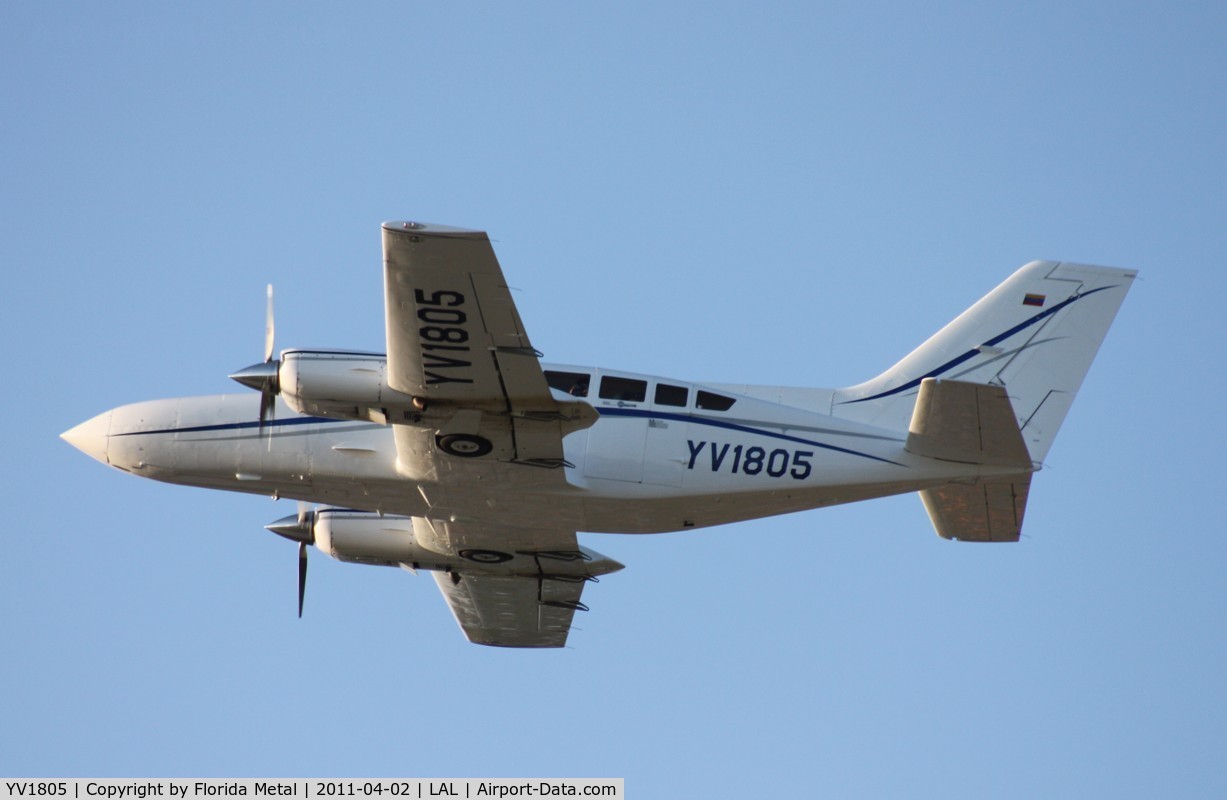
point(971, 423)
point(990, 510)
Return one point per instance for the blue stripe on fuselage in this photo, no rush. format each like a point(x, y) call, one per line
point(970, 354)
point(733, 426)
point(234, 426)
point(611, 412)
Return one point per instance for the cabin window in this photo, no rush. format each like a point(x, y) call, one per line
point(710, 401)
point(573, 383)
point(613, 388)
point(670, 395)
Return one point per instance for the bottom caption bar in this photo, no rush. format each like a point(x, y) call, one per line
point(383, 788)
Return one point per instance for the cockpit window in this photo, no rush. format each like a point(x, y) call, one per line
point(573, 383)
point(614, 388)
point(710, 401)
point(670, 395)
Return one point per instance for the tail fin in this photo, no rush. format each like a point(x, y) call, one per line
point(1035, 334)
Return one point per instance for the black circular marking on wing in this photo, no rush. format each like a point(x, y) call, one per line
point(486, 556)
point(464, 445)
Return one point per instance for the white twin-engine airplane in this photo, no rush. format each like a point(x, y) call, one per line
point(459, 452)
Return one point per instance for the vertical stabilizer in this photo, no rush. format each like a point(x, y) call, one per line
point(1035, 335)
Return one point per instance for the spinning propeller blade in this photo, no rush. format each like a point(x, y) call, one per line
point(302, 575)
point(268, 327)
point(263, 377)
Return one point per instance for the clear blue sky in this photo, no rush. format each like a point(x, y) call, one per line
point(795, 194)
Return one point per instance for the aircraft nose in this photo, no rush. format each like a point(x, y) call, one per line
point(90, 437)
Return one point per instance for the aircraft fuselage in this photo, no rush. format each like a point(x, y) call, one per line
point(643, 467)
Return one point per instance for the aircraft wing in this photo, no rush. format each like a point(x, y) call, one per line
point(512, 611)
point(456, 344)
point(523, 587)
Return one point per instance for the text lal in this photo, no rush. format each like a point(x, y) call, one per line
point(500, 790)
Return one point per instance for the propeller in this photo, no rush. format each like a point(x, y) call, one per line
point(268, 326)
point(302, 576)
point(263, 377)
point(299, 528)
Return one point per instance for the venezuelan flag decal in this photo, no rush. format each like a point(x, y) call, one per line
point(1034, 300)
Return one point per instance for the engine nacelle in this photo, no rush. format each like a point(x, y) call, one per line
point(363, 538)
point(338, 383)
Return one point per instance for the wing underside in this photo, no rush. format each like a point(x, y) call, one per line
point(513, 587)
point(486, 416)
point(457, 345)
point(513, 611)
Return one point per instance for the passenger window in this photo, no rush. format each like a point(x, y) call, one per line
point(623, 389)
point(573, 383)
point(669, 395)
point(710, 401)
